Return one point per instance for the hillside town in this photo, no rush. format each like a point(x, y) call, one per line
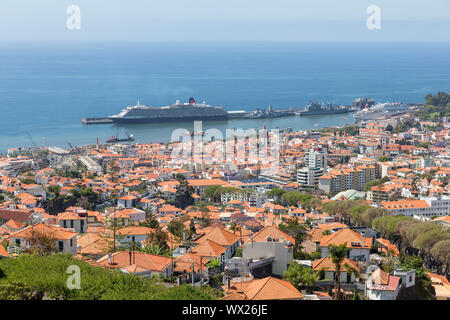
point(350, 213)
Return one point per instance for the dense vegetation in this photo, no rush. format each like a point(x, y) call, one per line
point(21, 277)
point(79, 197)
point(350, 130)
point(425, 239)
point(436, 107)
point(214, 193)
point(375, 182)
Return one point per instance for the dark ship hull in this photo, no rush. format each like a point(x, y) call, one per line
point(179, 112)
point(125, 120)
point(320, 113)
point(316, 109)
point(119, 140)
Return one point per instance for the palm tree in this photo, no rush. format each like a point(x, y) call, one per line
point(113, 169)
point(302, 277)
point(155, 249)
point(234, 227)
point(337, 254)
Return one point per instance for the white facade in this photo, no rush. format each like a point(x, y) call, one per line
point(355, 254)
point(281, 251)
point(309, 176)
point(375, 294)
point(62, 245)
point(436, 207)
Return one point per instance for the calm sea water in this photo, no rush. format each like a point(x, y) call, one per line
point(45, 89)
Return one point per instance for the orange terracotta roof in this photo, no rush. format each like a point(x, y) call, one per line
point(328, 265)
point(142, 260)
point(273, 232)
point(184, 262)
point(347, 236)
point(3, 251)
point(135, 230)
point(208, 248)
point(219, 235)
point(13, 224)
point(269, 288)
point(56, 232)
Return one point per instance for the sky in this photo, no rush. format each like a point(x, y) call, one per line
point(219, 20)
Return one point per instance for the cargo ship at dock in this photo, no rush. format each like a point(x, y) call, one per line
point(177, 112)
point(316, 109)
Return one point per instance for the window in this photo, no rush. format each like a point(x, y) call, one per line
point(18, 242)
point(71, 242)
point(61, 245)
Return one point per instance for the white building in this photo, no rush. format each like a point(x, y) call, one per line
point(65, 240)
point(316, 158)
point(271, 242)
point(382, 286)
point(426, 206)
point(309, 176)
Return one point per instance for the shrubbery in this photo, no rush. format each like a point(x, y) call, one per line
point(28, 273)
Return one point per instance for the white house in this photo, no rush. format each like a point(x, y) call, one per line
point(359, 245)
point(271, 242)
point(65, 240)
point(382, 286)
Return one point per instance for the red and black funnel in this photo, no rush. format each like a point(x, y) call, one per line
point(191, 100)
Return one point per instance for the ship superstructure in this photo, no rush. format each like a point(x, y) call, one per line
point(381, 109)
point(314, 108)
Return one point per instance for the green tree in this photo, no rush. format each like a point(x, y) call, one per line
point(337, 254)
point(192, 229)
point(276, 193)
point(297, 231)
point(441, 252)
point(414, 263)
point(176, 227)
point(150, 220)
point(301, 277)
point(158, 238)
point(293, 198)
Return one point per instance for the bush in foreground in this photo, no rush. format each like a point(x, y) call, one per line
point(28, 274)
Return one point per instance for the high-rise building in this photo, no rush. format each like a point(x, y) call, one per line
point(315, 165)
point(316, 158)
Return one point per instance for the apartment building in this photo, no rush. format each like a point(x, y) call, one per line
point(426, 206)
point(316, 160)
point(337, 180)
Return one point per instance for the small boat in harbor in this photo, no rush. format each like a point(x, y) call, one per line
point(115, 139)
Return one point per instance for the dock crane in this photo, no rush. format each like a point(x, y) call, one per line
point(31, 139)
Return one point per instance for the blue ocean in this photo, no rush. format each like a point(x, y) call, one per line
point(47, 88)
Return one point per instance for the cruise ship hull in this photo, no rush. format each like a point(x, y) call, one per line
point(129, 120)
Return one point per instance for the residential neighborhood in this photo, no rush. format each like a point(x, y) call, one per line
point(359, 212)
